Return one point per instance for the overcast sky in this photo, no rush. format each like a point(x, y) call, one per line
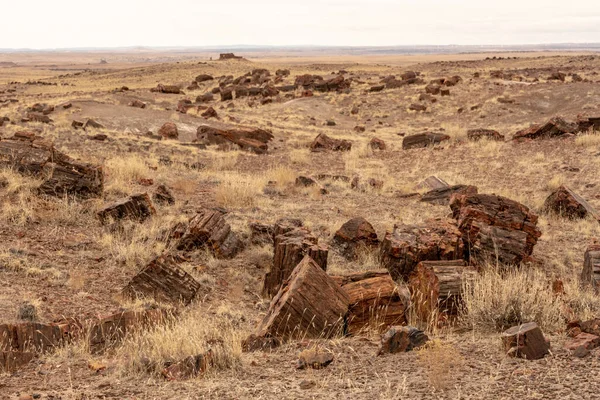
point(116, 23)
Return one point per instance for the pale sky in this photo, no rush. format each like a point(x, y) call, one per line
point(118, 23)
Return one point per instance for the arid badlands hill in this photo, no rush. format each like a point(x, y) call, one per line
point(151, 212)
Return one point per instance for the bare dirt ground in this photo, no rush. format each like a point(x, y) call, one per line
point(56, 255)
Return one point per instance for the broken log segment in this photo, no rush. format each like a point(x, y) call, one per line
point(591, 265)
point(402, 249)
point(291, 248)
point(525, 341)
point(309, 305)
point(437, 287)
point(376, 303)
point(164, 281)
point(208, 228)
point(136, 207)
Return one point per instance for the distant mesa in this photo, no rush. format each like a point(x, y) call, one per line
point(229, 56)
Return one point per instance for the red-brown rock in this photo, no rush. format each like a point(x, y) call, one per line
point(168, 131)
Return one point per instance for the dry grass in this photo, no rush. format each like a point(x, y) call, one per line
point(498, 299)
point(122, 172)
point(442, 362)
point(189, 335)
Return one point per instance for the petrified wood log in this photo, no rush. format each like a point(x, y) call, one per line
point(402, 249)
point(323, 143)
point(495, 228)
point(209, 229)
point(437, 286)
point(423, 140)
point(442, 196)
point(309, 305)
point(569, 204)
point(164, 281)
point(136, 207)
point(355, 235)
point(291, 248)
point(62, 175)
point(591, 265)
point(376, 303)
point(525, 341)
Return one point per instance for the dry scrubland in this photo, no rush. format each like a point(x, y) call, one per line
point(57, 257)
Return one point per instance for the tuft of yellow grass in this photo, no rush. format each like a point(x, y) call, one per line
point(442, 362)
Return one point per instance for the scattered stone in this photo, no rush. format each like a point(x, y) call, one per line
point(376, 301)
point(436, 288)
point(251, 139)
point(168, 131)
point(323, 143)
point(77, 124)
point(135, 207)
point(260, 343)
point(99, 137)
point(169, 89)
point(61, 174)
point(190, 367)
point(401, 339)
point(432, 89)
point(226, 94)
point(359, 129)
point(163, 196)
point(205, 98)
point(377, 88)
point(137, 104)
point(445, 92)
point(569, 204)
point(525, 341)
point(581, 344)
point(309, 305)
point(203, 78)
point(110, 330)
point(37, 117)
point(417, 107)
point(210, 113)
point(184, 105)
point(314, 358)
point(90, 123)
point(432, 183)
point(478, 134)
